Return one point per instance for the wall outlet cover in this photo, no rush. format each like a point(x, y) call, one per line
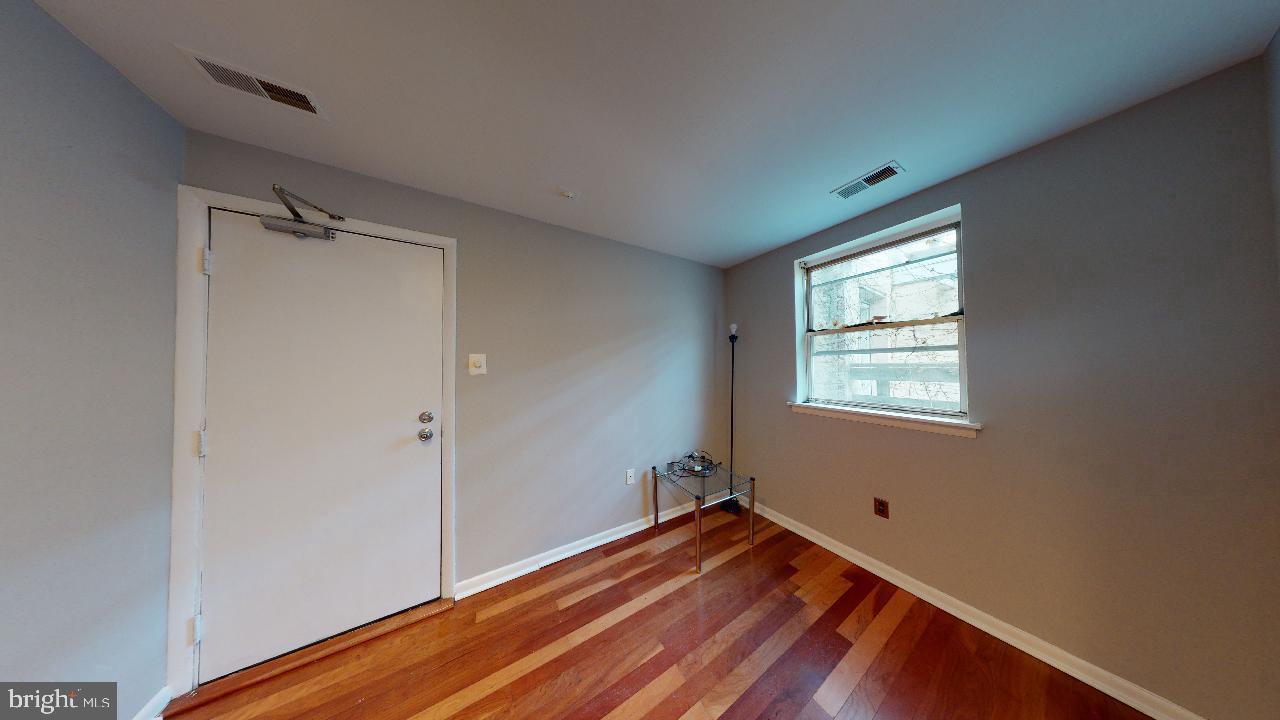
point(631, 476)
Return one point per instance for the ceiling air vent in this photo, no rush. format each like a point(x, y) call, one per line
point(875, 177)
point(287, 96)
point(245, 82)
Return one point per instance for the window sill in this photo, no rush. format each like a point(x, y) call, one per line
point(909, 421)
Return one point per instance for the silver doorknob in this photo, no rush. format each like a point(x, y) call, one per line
point(425, 434)
point(425, 417)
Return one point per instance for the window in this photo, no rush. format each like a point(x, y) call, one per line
point(885, 326)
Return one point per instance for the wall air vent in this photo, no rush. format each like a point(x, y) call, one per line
point(245, 82)
point(875, 177)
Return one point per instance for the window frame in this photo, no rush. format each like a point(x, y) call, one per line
point(900, 234)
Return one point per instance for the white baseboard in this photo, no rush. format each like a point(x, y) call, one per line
point(152, 709)
point(484, 581)
point(1117, 687)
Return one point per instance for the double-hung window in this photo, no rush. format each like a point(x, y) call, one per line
point(885, 326)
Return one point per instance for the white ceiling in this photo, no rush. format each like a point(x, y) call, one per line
point(711, 129)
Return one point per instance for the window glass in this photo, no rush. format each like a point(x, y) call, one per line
point(907, 281)
point(913, 367)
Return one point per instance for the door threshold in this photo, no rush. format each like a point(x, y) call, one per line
point(254, 674)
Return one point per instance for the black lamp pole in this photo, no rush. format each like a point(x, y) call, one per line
point(733, 347)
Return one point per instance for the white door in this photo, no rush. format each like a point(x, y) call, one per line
point(321, 503)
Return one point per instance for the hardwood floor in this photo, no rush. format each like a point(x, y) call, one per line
point(784, 629)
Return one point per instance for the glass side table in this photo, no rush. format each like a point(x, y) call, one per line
point(708, 485)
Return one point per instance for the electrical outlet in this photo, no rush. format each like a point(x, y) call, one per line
point(880, 506)
point(631, 476)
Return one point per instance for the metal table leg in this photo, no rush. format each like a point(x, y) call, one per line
point(697, 534)
point(751, 515)
point(697, 518)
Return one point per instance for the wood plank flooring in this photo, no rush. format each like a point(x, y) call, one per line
point(781, 629)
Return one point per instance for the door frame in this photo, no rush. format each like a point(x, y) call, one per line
point(190, 347)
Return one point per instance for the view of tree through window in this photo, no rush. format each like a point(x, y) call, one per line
point(882, 326)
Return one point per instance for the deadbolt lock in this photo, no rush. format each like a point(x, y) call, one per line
point(426, 417)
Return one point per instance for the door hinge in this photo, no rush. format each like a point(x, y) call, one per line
point(197, 628)
point(206, 261)
point(202, 443)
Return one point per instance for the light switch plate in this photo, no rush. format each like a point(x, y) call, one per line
point(631, 476)
point(477, 365)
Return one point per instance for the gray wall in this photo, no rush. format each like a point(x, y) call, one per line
point(1271, 60)
point(88, 168)
point(601, 355)
point(1123, 328)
